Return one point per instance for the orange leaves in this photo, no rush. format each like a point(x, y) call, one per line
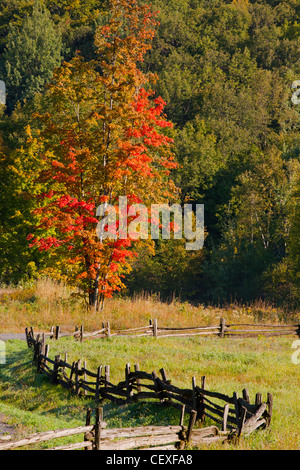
point(44, 244)
point(57, 164)
point(104, 136)
point(150, 119)
point(145, 134)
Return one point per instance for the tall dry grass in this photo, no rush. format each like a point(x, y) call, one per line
point(50, 303)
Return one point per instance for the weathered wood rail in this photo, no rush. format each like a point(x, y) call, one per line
point(231, 413)
point(223, 330)
point(99, 437)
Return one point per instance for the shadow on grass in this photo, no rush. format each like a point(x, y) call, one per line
point(22, 387)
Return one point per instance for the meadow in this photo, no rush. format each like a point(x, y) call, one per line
point(31, 403)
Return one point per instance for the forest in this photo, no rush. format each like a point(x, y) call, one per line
point(187, 101)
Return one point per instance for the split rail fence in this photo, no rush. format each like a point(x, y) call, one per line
point(99, 437)
point(232, 414)
point(222, 330)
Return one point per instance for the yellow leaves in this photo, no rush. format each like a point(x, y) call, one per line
point(28, 132)
point(17, 214)
point(240, 3)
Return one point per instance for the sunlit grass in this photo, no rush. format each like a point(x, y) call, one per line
point(47, 304)
point(230, 364)
point(259, 364)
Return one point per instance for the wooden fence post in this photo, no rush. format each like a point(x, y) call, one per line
point(81, 333)
point(77, 377)
point(163, 374)
point(98, 383)
point(66, 360)
point(182, 434)
point(127, 372)
point(38, 356)
point(35, 348)
point(201, 398)
point(138, 381)
point(87, 423)
point(194, 393)
point(258, 400)
point(57, 332)
point(270, 408)
point(41, 347)
point(108, 329)
point(191, 424)
point(27, 337)
point(107, 375)
point(158, 388)
point(154, 377)
point(225, 416)
point(71, 374)
point(54, 378)
point(182, 415)
point(242, 421)
point(155, 328)
point(76, 332)
point(41, 352)
point(84, 378)
point(222, 327)
point(98, 424)
point(237, 410)
point(47, 347)
point(246, 395)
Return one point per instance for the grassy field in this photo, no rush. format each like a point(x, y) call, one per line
point(47, 303)
point(259, 364)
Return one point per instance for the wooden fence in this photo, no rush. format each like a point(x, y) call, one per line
point(88, 443)
point(99, 437)
point(222, 330)
point(232, 413)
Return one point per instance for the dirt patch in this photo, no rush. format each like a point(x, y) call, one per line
point(5, 428)
point(8, 336)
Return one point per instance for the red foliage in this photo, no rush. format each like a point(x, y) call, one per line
point(137, 157)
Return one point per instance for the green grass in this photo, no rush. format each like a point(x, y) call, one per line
point(259, 364)
point(263, 365)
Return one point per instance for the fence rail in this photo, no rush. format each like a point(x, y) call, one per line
point(223, 330)
point(231, 413)
point(99, 437)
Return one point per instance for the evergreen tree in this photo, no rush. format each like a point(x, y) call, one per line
point(12, 12)
point(31, 54)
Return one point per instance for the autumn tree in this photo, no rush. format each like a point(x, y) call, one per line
point(101, 137)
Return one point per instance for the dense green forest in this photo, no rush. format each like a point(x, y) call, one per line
point(225, 70)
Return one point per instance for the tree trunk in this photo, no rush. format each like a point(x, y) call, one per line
point(96, 299)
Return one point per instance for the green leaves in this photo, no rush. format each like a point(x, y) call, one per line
point(27, 73)
point(226, 70)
